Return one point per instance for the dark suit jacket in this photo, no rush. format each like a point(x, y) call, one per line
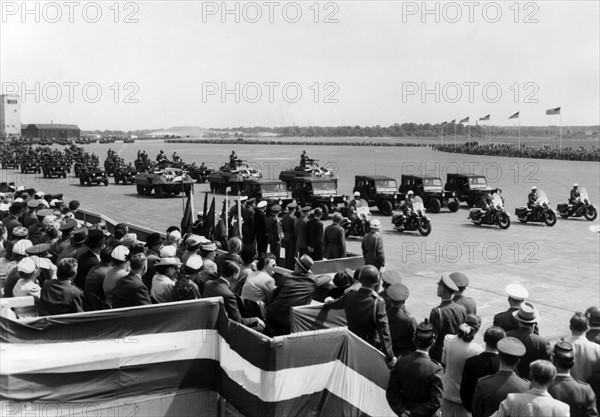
point(467, 302)
point(536, 348)
point(300, 232)
point(579, 395)
point(372, 249)
point(86, 261)
point(415, 385)
point(288, 225)
point(506, 320)
point(60, 297)
point(402, 329)
point(260, 226)
point(274, 230)
point(314, 238)
point(220, 288)
point(95, 279)
point(445, 320)
point(130, 291)
point(484, 364)
point(491, 390)
point(334, 241)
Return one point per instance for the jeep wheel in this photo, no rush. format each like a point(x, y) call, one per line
point(106, 182)
point(160, 191)
point(453, 206)
point(386, 208)
point(434, 205)
point(140, 189)
point(325, 209)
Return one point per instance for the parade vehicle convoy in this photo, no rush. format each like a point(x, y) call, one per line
point(30, 165)
point(583, 207)
point(163, 181)
point(430, 189)
point(272, 191)
point(232, 175)
point(542, 213)
point(416, 220)
point(10, 163)
point(199, 173)
point(124, 174)
point(316, 191)
point(469, 188)
point(379, 191)
point(92, 175)
point(492, 215)
point(56, 169)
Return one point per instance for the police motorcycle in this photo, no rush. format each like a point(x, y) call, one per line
point(542, 213)
point(493, 215)
point(416, 220)
point(360, 225)
point(583, 207)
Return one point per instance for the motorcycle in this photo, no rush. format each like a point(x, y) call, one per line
point(542, 213)
point(495, 215)
point(583, 207)
point(360, 226)
point(416, 219)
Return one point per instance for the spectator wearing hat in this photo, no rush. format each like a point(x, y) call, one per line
point(275, 231)
point(260, 284)
point(207, 273)
point(39, 253)
point(457, 349)
point(119, 257)
point(120, 230)
point(186, 288)
point(486, 363)
point(536, 402)
point(389, 278)
point(314, 235)
point(234, 247)
point(260, 227)
point(343, 281)
point(130, 290)
point(372, 246)
point(77, 246)
point(402, 323)
point(415, 385)
point(462, 282)
point(295, 289)
point(516, 295)
point(536, 346)
point(586, 353)
point(11, 221)
point(221, 287)
point(154, 244)
point(27, 286)
point(18, 233)
point(593, 314)
point(90, 257)
point(208, 252)
point(163, 280)
point(288, 226)
point(249, 257)
point(447, 317)
point(64, 240)
point(30, 218)
point(193, 245)
point(60, 296)
point(174, 237)
point(491, 390)
point(365, 312)
point(46, 229)
point(579, 395)
point(19, 252)
point(94, 279)
point(300, 231)
point(334, 238)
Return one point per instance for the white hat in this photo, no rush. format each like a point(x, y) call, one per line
point(534, 187)
point(194, 262)
point(168, 251)
point(410, 192)
point(18, 200)
point(243, 198)
point(516, 291)
point(39, 194)
point(21, 246)
point(120, 253)
point(43, 263)
point(174, 236)
point(20, 188)
point(26, 265)
point(575, 185)
point(375, 224)
point(356, 194)
point(262, 204)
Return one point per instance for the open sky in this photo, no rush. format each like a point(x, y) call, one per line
point(152, 64)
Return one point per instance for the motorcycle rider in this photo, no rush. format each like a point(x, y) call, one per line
point(233, 159)
point(486, 203)
point(352, 210)
point(532, 201)
point(407, 207)
point(574, 195)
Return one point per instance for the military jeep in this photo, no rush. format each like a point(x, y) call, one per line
point(469, 188)
point(378, 190)
point(430, 189)
point(91, 175)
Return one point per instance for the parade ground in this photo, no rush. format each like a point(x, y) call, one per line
point(560, 265)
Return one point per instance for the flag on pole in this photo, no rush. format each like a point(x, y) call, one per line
point(465, 120)
point(205, 205)
point(187, 221)
point(444, 123)
point(485, 118)
point(221, 227)
point(453, 122)
point(553, 112)
point(514, 116)
point(208, 223)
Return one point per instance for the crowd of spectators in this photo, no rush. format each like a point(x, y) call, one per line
point(511, 150)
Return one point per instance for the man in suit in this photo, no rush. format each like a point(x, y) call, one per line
point(334, 238)
point(288, 226)
point(77, 245)
point(221, 287)
point(536, 346)
point(94, 280)
point(314, 235)
point(300, 231)
point(462, 282)
point(275, 232)
point(491, 390)
point(516, 295)
point(154, 243)
point(587, 353)
point(486, 363)
point(402, 323)
point(130, 290)
point(89, 257)
point(593, 315)
point(536, 402)
point(11, 221)
point(579, 395)
point(372, 247)
point(60, 296)
point(415, 386)
point(260, 227)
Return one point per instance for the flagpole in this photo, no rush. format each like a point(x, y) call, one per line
point(226, 213)
point(454, 134)
point(240, 215)
point(560, 128)
point(519, 131)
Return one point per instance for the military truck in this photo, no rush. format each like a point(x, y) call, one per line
point(272, 191)
point(163, 181)
point(378, 190)
point(469, 188)
point(232, 175)
point(430, 189)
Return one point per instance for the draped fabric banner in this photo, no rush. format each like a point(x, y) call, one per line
point(144, 350)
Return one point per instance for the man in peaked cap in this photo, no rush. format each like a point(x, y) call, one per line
point(389, 278)
point(30, 217)
point(402, 323)
point(516, 295)
point(372, 247)
point(275, 232)
point(491, 390)
point(288, 226)
point(446, 317)
point(65, 240)
point(579, 395)
point(593, 315)
point(415, 387)
point(260, 227)
point(462, 282)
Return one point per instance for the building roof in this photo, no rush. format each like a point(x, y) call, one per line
point(54, 126)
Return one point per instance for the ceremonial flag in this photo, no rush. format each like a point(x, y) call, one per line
point(453, 121)
point(514, 116)
point(205, 205)
point(465, 120)
point(221, 228)
point(444, 123)
point(485, 118)
point(187, 221)
point(552, 112)
point(208, 222)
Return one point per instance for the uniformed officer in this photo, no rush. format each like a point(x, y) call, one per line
point(593, 315)
point(288, 226)
point(579, 395)
point(462, 282)
point(365, 312)
point(402, 323)
point(275, 232)
point(532, 198)
point(415, 386)
point(388, 278)
point(516, 295)
point(574, 194)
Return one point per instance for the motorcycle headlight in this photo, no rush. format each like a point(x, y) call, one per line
point(280, 202)
point(331, 199)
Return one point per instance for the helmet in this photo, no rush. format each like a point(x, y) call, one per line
point(410, 192)
point(356, 194)
point(369, 275)
point(575, 185)
point(534, 188)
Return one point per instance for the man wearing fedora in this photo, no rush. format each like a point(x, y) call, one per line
point(372, 247)
point(334, 238)
point(163, 280)
point(516, 295)
point(90, 257)
point(314, 235)
point(536, 346)
point(77, 246)
point(295, 289)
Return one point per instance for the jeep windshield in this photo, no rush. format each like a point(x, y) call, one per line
point(324, 188)
point(477, 183)
point(432, 184)
point(274, 190)
point(386, 186)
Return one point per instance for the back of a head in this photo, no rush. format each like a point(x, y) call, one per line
point(137, 261)
point(369, 275)
point(542, 371)
point(263, 260)
point(229, 269)
point(234, 245)
point(121, 230)
point(493, 335)
point(66, 268)
point(470, 327)
point(105, 255)
point(74, 205)
point(336, 218)
point(579, 322)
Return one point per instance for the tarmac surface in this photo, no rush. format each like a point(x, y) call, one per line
point(560, 265)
